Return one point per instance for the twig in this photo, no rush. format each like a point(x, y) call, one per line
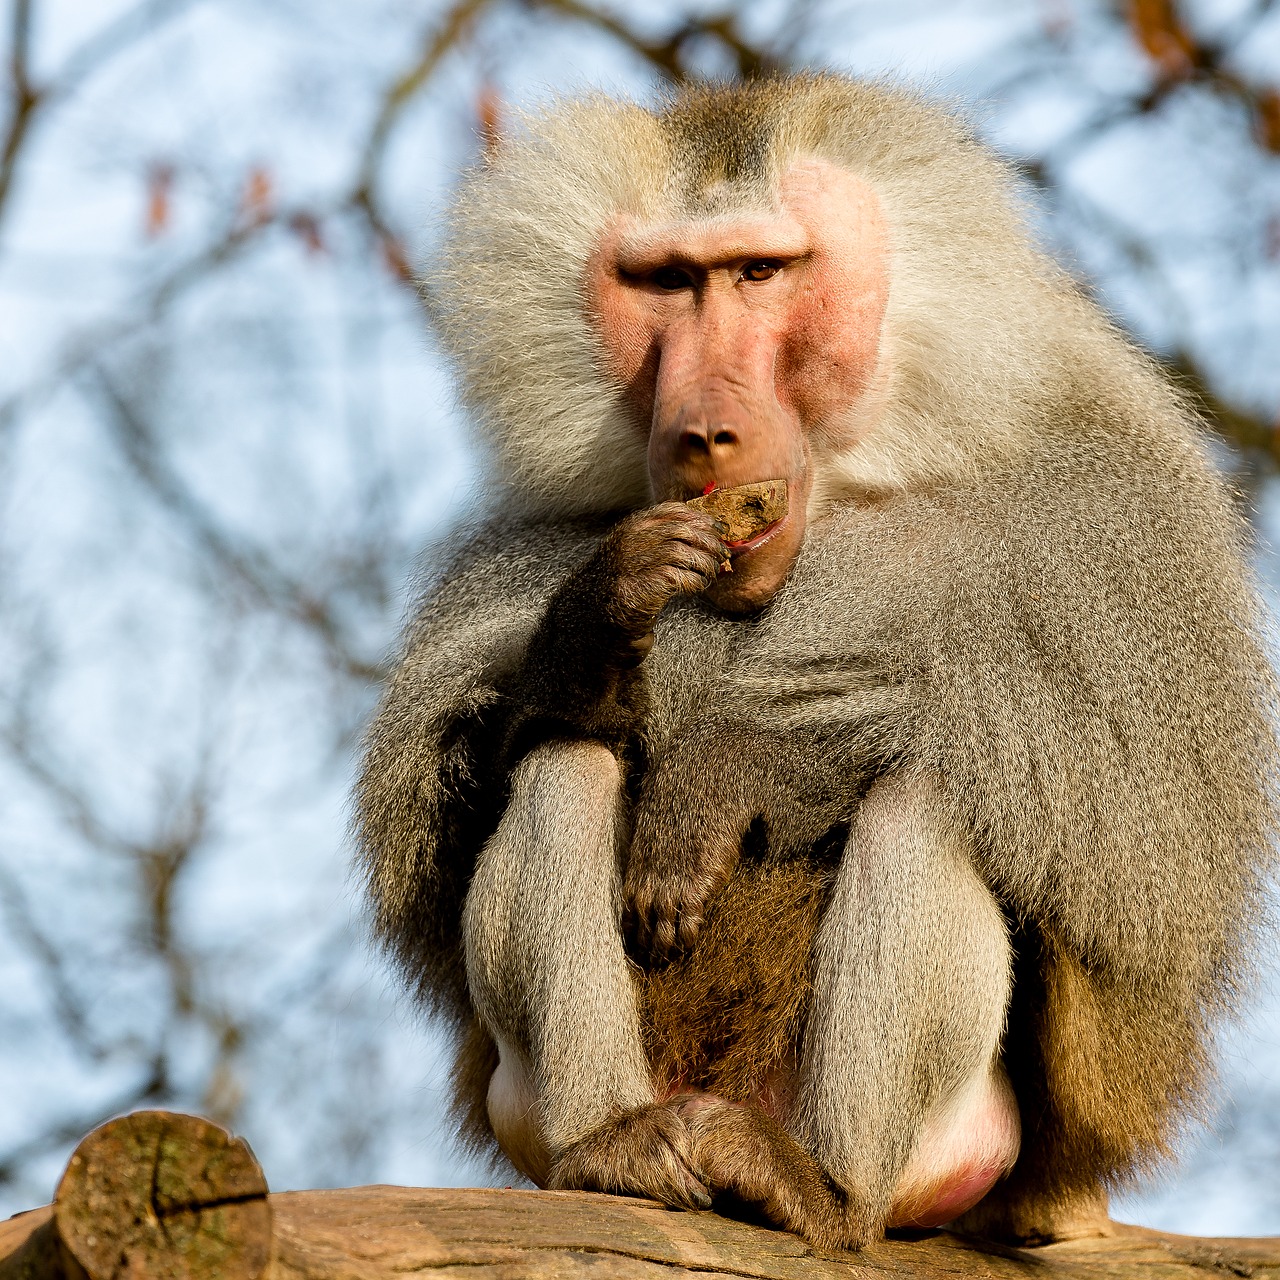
point(29, 101)
point(24, 98)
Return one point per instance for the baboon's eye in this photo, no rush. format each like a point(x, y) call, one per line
point(672, 278)
point(761, 269)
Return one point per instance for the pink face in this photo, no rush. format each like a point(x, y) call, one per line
point(741, 340)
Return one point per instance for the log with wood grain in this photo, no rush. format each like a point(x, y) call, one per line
point(162, 1196)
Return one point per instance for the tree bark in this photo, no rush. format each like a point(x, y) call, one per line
point(166, 1196)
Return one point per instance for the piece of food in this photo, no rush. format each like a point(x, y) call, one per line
point(745, 510)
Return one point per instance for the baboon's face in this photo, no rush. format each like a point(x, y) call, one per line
point(743, 341)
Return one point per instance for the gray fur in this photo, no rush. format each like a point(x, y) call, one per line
point(545, 964)
point(912, 980)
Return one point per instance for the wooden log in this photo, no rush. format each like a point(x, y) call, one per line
point(381, 1233)
point(376, 1233)
point(153, 1194)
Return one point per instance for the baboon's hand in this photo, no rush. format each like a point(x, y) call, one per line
point(646, 1152)
point(650, 556)
point(696, 805)
point(686, 842)
point(580, 672)
point(665, 910)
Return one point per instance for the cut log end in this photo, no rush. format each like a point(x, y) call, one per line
point(165, 1196)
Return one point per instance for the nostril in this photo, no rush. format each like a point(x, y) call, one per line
point(705, 439)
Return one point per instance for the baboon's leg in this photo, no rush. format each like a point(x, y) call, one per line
point(572, 1101)
point(903, 1113)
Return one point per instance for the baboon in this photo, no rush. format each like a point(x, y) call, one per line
point(890, 866)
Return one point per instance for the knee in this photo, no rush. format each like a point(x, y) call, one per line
point(551, 866)
point(564, 771)
point(563, 820)
point(968, 1142)
point(515, 1118)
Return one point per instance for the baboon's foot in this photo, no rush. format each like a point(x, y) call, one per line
point(740, 1150)
point(646, 1152)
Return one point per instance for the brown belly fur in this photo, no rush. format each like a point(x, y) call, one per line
point(727, 1017)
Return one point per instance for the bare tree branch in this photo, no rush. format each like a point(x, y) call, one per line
point(92, 344)
point(250, 566)
point(23, 96)
point(118, 35)
point(439, 42)
point(69, 1008)
point(27, 101)
point(154, 1088)
point(666, 55)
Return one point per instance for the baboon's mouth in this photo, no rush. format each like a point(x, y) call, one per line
point(750, 544)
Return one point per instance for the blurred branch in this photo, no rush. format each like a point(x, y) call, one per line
point(1245, 23)
point(153, 1088)
point(99, 48)
point(439, 42)
point(1257, 440)
point(159, 861)
point(24, 98)
point(250, 566)
point(365, 195)
point(1181, 60)
point(69, 1008)
point(70, 801)
point(666, 55)
point(27, 100)
point(1180, 57)
point(91, 345)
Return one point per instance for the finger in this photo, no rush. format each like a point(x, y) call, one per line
point(652, 923)
point(630, 922)
point(689, 582)
point(688, 928)
point(682, 1186)
point(697, 559)
point(701, 541)
point(701, 526)
point(665, 520)
point(698, 1192)
point(647, 598)
point(651, 589)
point(658, 546)
point(637, 902)
point(648, 923)
point(694, 519)
point(664, 934)
point(683, 524)
point(706, 538)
